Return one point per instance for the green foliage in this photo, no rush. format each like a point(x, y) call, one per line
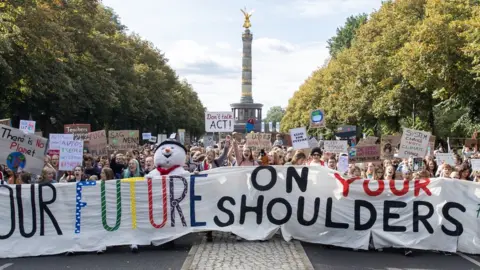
point(73, 60)
point(275, 114)
point(412, 57)
point(346, 34)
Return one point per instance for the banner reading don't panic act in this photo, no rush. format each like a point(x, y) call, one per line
point(312, 204)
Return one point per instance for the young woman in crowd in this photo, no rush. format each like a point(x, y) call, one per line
point(133, 169)
point(107, 174)
point(315, 156)
point(245, 158)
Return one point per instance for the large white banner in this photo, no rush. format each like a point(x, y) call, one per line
point(312, 204)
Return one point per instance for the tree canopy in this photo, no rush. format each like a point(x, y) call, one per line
point(346, 34)
point(73, 60)
point(274, 114)
point(414, 63)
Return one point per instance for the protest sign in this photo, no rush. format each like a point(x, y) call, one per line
point(312, 142)
point(413, 143)
point(366, 153)
point(153, 139)
point(342, 165)
point(447, 158)
point(55, 140)
point(389, 145)
point(97, 143)
point(21, 151)
point(146, 136)
point(475, 164)
point(299, 138)
point(181, 136)
point(219, 121)
point(258, 141)
point(317, 118)
point(79, 131)
point(312, 204)
point(208, 141)
point(123, 140)
point(27, 126)
point(71, 155)
point(335, 146)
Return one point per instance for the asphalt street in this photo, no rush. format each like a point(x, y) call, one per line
point(346, 259)
point(173, 258)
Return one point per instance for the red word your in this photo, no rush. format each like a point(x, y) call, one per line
point(418, 184)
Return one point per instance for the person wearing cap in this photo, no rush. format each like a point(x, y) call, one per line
point(315, 155)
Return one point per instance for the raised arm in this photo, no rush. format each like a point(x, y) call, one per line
point(238, 157)
point(221, 159)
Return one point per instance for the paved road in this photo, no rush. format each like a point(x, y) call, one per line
point(172, 259)
point(345, 259)
point(118, 258)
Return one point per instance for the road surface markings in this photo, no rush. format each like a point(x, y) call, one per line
point(5, 266)
point(477, 263)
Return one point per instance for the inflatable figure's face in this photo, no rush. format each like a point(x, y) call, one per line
point(169, 155)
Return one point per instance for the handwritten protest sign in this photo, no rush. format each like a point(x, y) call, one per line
point(258, 141)
point(27, 126)
point(389, 145)
point(447, 158)
point(56, 139)
point(71, 155)
point(313, 204)
point(79, 131)
point(299, 138)
point(366, 153)
point(21, 151)
point(219, 122)
point(335, 146)
point(123, 139)
point(413, 143)
point(97, 143)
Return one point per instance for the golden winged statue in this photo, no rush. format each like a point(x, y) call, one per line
point(247, 16)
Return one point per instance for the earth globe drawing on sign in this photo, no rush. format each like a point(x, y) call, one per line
point(16, 160)
point(317, 116)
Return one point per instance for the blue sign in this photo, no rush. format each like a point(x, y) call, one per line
point(317, 118)
point(15, 161)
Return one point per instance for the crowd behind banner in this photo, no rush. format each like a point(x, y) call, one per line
point(117, 155)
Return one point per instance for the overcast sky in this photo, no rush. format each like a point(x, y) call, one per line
point(202, 40)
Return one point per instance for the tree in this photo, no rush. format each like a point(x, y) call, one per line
point(414, 63)
point(74, 60)
point(346, 34)
point(275, 114)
